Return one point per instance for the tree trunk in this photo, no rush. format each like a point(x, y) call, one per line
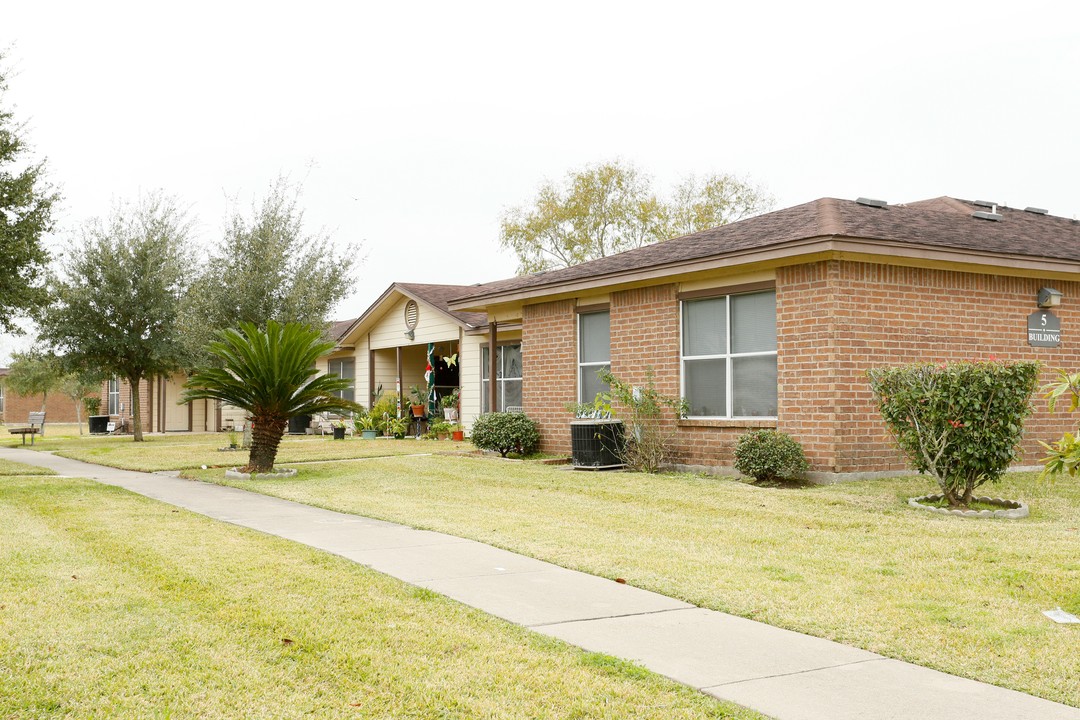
point(78, 414)
point(136, 414)
point(265, 437)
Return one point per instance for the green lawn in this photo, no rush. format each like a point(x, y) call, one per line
point(114, 605)
point(849, 562)
point(193, 450)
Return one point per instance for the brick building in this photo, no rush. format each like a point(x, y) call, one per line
point(773, 321)
point(15, 409)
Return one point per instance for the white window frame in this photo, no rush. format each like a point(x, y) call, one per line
point(484, 388)
point(728, 356)
point(333, 367)
point(112, 402)
point(592, 366)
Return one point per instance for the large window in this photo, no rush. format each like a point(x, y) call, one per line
point(114, 396)
point(344, 368)
point(507, 378)
point(594, 353)
point(729, 355)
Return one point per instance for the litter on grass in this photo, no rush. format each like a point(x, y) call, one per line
point(1060, 616)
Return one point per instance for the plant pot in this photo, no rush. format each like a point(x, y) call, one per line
point(458, 435)
point(418, 410)
point(369, 434)
point(597, 444)
point(339, 433)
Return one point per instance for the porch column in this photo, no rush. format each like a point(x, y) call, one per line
point(400, 380)
point(493, 365)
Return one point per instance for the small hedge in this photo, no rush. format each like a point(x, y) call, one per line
point(768, 455)
point(505, 432)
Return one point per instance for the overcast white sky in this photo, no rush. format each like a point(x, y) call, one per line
point(415, 125)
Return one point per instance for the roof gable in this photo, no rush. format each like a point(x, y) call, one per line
point(433, 296)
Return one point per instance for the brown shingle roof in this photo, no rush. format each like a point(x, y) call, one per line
point(339, 327)
point(440, 295)
point(944, 223)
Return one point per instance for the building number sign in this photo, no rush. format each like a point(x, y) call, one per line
point(1044, 329)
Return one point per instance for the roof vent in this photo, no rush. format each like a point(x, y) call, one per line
point(1037, 211)
point(986, 215)
point(870, 202)
point(985, 204)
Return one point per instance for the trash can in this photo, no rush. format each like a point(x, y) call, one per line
point(597, 444)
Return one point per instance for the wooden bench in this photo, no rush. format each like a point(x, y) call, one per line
point(36, 427)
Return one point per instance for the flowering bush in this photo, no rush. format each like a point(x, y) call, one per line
point(960, 422)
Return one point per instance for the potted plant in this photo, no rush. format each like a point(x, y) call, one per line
point(418, 397)
point(367, 426)
point(441, 429)
point(397, 427)
point(449, 405)
point(339, 430)
point(232, 439)
point(457, 433)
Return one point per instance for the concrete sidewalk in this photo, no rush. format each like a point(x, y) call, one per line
point(780, 673)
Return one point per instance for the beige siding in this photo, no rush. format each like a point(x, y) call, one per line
point(432, 326)
point(469, 360)
point(176, 416)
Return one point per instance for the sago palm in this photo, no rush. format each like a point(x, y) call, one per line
point(271, 375)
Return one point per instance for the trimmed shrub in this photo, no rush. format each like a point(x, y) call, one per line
point(960, 422)
point(505, 432)
point(768, 455)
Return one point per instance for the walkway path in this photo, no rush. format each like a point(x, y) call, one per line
point(778, 672)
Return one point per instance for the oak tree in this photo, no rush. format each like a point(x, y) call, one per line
point(26, 205)
point(115, 306)
point(611, 207)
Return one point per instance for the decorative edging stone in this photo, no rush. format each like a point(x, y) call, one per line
point(235, 473)
point(1013, 509)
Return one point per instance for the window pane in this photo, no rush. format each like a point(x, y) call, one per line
point(511, 394)
point(706, 387)
point(705, 327)
point(511, 361)
point(348, 369)
point(753, 322)
point(594, 342)
point(484, 365)
point(591, 384)
point(753, 386)
point(485, 405)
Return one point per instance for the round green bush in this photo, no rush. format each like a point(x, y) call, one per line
point(767, 455)
point(505, 432)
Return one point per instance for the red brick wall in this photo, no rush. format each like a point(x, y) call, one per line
point(835, 319)
point(887, 315)
point(59, 408)
point(549, 369)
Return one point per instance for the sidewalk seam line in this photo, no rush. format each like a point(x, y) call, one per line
point(612, 617)
point(797, 672)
